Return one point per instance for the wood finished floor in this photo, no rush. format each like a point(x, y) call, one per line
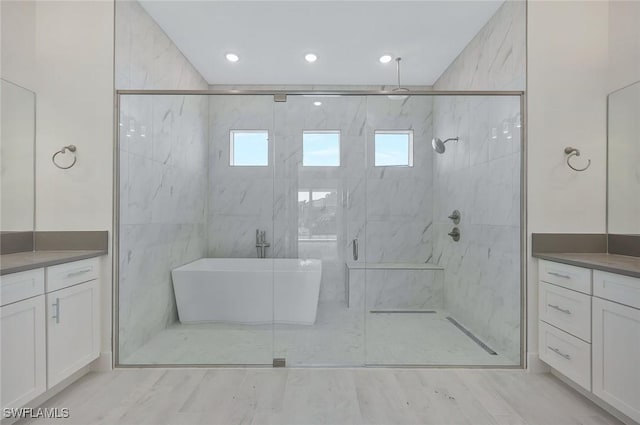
point(323, 396)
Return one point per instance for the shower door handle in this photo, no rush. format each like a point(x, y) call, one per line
point(355, 249)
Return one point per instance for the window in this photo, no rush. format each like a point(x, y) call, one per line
point(393, 148)
point(321, 149)
point(317, 216)
point(249, 148)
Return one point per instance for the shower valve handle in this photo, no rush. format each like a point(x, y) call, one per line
point(455, 216)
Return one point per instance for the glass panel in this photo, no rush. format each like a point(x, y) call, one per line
point(319, 202)
point(431, 300)
point(350, 250)
point(191, 290)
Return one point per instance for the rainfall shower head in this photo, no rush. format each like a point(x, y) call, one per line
point(438, 145)
point(399, 92)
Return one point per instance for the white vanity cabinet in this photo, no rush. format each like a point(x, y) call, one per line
point(51, 328)
point(616, 342)
point(72, 330)
point(23, 339)
point(589, 331)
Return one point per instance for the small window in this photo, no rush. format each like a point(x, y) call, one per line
point(394, 148)
point(321, 149)
point(249, 148)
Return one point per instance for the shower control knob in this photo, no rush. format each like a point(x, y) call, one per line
point(455, 216)
point(455, 234)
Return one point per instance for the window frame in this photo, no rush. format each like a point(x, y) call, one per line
point(338, 132)
point(232, 142)
point(410, 150)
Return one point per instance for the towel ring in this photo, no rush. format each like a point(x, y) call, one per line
point(571, 152)
point(70, 148)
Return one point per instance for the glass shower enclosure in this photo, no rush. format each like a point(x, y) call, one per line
point(319, 229)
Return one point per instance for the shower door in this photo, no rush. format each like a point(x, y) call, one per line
point(195, 210)
point(443, 257)
point(403, 288)
point(319, 219)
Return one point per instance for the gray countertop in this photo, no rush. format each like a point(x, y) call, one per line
point(22, 261)
point(614, 263)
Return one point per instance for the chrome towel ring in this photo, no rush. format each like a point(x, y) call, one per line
point(70, 148)
point(571, 152)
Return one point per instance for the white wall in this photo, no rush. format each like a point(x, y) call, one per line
point(624, 43)
point(74, 86)
point(63, 51)
point(567, 87)
point(18, 42)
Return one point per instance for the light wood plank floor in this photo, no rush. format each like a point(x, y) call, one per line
point(323, 396)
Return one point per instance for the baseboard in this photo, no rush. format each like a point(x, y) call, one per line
point(535, 365)
point(595, 400)
point(50, 393)
point(104, 363)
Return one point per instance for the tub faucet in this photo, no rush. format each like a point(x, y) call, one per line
point(261, 243)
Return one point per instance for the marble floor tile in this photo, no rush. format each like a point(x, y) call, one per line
point(340, 337)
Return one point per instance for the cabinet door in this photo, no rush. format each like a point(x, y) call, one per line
point(22, 326)
point(616, 354)
point(72, 330)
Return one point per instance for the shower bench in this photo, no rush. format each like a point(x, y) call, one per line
point(395, 287)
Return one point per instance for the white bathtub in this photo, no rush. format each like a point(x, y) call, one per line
point(248, 290)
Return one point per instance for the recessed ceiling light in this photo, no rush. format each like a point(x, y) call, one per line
point(385, 58)
point(310, 57)
point(232, 57)
point(317, 103)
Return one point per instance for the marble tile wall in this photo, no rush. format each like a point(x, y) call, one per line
point(163, 174)
point(387, 209)
point(480, 176)
point(496, 57)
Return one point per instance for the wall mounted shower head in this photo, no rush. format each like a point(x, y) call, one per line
point(438, 145)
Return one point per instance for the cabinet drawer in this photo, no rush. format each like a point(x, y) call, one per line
point(19, 286)
point(68, 274)
point(614, 287)
point(565, 309)
point(566, 353)
point(564, 275)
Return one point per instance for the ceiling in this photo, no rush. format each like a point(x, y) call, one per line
point(272, 37)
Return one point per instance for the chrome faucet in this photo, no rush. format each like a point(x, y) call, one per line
point(261, 243)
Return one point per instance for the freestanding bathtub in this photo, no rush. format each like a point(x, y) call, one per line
point(248, 290)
